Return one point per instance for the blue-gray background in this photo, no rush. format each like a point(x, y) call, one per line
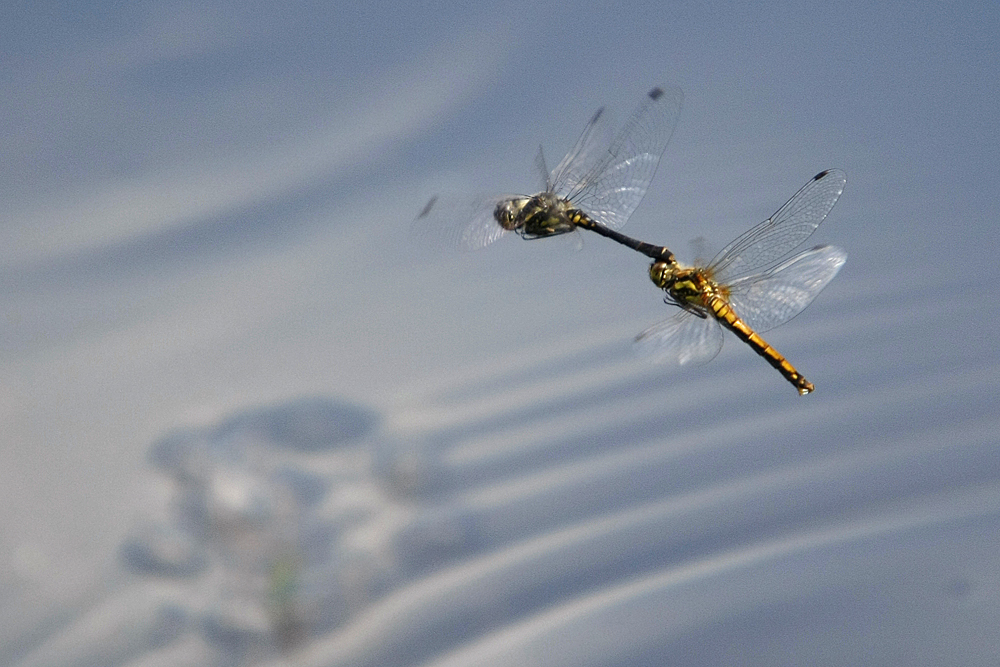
point(205, 213)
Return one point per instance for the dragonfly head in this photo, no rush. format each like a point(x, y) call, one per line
point(662, 273)
point(684, 286)
point(508, 212)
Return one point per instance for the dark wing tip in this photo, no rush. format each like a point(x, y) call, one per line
point(656, 93)
point(825, 173)
point(427, 207)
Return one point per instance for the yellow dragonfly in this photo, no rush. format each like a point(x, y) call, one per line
point(750, 286)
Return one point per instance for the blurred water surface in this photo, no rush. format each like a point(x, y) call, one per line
point(246, 422)
point(608, 523)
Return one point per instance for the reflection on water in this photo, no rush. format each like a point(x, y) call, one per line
point(584, 514)
point(256, 509)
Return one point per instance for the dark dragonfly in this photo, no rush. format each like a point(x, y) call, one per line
point(596, 186)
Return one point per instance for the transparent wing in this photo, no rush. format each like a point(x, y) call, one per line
point(771, 298)
point(784, 231)
point(682, 339)
point(464, 224)
point(482, 230)
point(590, 148)
point(543, 171)
point(613, 187)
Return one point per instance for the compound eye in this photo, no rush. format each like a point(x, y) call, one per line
point(504, 215)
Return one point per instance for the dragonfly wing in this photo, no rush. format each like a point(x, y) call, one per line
point(682, 339)
point(465, 224)
point(542, 169)
point(482, 229)
point(590, 149)
point(614, 186)
point(771, 298)
point(784, 231)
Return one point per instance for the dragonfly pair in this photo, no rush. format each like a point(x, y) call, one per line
point(749, 287)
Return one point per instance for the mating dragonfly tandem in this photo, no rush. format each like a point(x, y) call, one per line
point(747, 288)
point(596, 186)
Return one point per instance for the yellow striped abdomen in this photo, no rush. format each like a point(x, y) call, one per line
point(728, 318)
